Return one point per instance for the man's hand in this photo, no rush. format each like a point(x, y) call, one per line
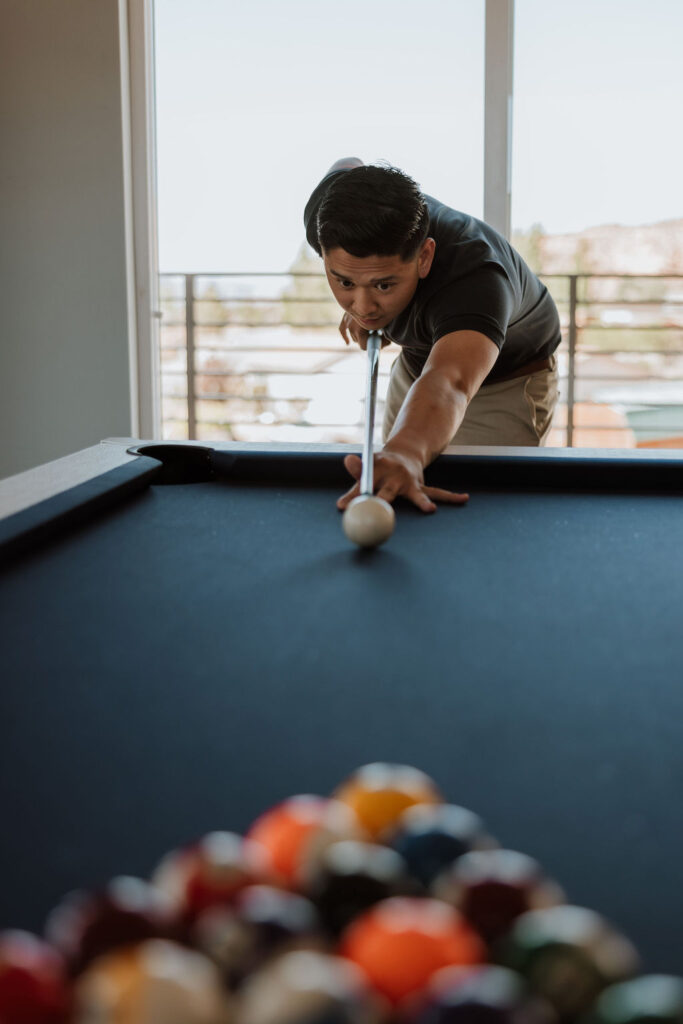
point(352, 331)
point(396, 475)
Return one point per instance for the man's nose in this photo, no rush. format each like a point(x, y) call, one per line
point(364, 303)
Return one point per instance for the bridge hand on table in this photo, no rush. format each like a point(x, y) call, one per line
point(396, 475)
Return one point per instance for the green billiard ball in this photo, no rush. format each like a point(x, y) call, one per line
point(568, 955)
point(651, 999)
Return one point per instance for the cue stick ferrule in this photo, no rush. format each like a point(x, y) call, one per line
point(373, 349)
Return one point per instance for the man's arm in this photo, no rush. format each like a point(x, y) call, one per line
point(346, 164)
point(435, 406)
point(430, 415)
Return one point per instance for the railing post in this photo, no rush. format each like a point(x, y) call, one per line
point(571, 368)
point(189, 345)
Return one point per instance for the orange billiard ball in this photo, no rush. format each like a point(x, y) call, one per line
point(401, 942)
point(379, 794)
point(285, 842)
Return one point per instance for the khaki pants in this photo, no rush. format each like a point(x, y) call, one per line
point(512, 412)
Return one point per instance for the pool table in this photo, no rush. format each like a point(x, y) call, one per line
point(188, 637)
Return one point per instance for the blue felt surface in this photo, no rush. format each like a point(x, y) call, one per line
point(205, 650)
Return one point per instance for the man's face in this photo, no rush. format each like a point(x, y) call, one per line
point(375, 289)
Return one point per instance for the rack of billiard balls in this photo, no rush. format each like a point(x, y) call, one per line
point(382, 904)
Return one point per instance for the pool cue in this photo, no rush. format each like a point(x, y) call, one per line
point(373, 349)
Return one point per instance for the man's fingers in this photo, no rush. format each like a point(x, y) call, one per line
point(353, 465)
point(419, 498)
point(388, 493)
point(390, 484)
point(347, 498)
point(450, 497)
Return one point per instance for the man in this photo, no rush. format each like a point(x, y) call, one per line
point(476, 327)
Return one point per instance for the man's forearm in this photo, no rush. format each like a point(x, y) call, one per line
point(430, 415)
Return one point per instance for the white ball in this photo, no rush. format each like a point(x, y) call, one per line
point(368, 521)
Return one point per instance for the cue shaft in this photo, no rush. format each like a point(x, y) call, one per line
point(373, 349)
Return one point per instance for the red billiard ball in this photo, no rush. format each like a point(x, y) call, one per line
point(401, 942)
point(86, 925)
point(379, 793)
point(285, 842)
point(207, 873)
point(33, 983)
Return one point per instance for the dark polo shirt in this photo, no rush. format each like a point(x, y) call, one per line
point(477, 282)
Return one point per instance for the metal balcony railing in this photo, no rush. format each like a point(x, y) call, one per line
point(252, 357)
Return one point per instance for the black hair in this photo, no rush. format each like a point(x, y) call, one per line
point(373, 211)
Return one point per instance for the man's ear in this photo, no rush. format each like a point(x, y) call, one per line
point(426, 256)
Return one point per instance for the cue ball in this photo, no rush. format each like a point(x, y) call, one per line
point(368, 521)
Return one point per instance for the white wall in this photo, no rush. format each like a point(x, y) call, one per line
point(64, 347)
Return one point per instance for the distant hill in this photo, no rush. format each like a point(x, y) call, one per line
point(606, 249)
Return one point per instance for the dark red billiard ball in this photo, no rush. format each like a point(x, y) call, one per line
point(33, 983)
point(204, 874)
point(86, 925)
point(494, 887)
point(401, 942)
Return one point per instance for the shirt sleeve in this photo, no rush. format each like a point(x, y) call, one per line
point(481, 301)
point(311, 210)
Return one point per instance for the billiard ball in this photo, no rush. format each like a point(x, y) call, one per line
point(401, 942)
point(379, 793)
point(261, 922)
point(431, 837)
point(86, 925)
point(283, 843)
point(156, 981)
point(368, 521)
point(568, 955)
point(479, 995)
point(351, 876)
point(494, 887)
point(206, 873)
point(33, 983)
point(650, 999)
point(311, 987)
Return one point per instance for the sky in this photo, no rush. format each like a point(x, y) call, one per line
point(255, 99)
